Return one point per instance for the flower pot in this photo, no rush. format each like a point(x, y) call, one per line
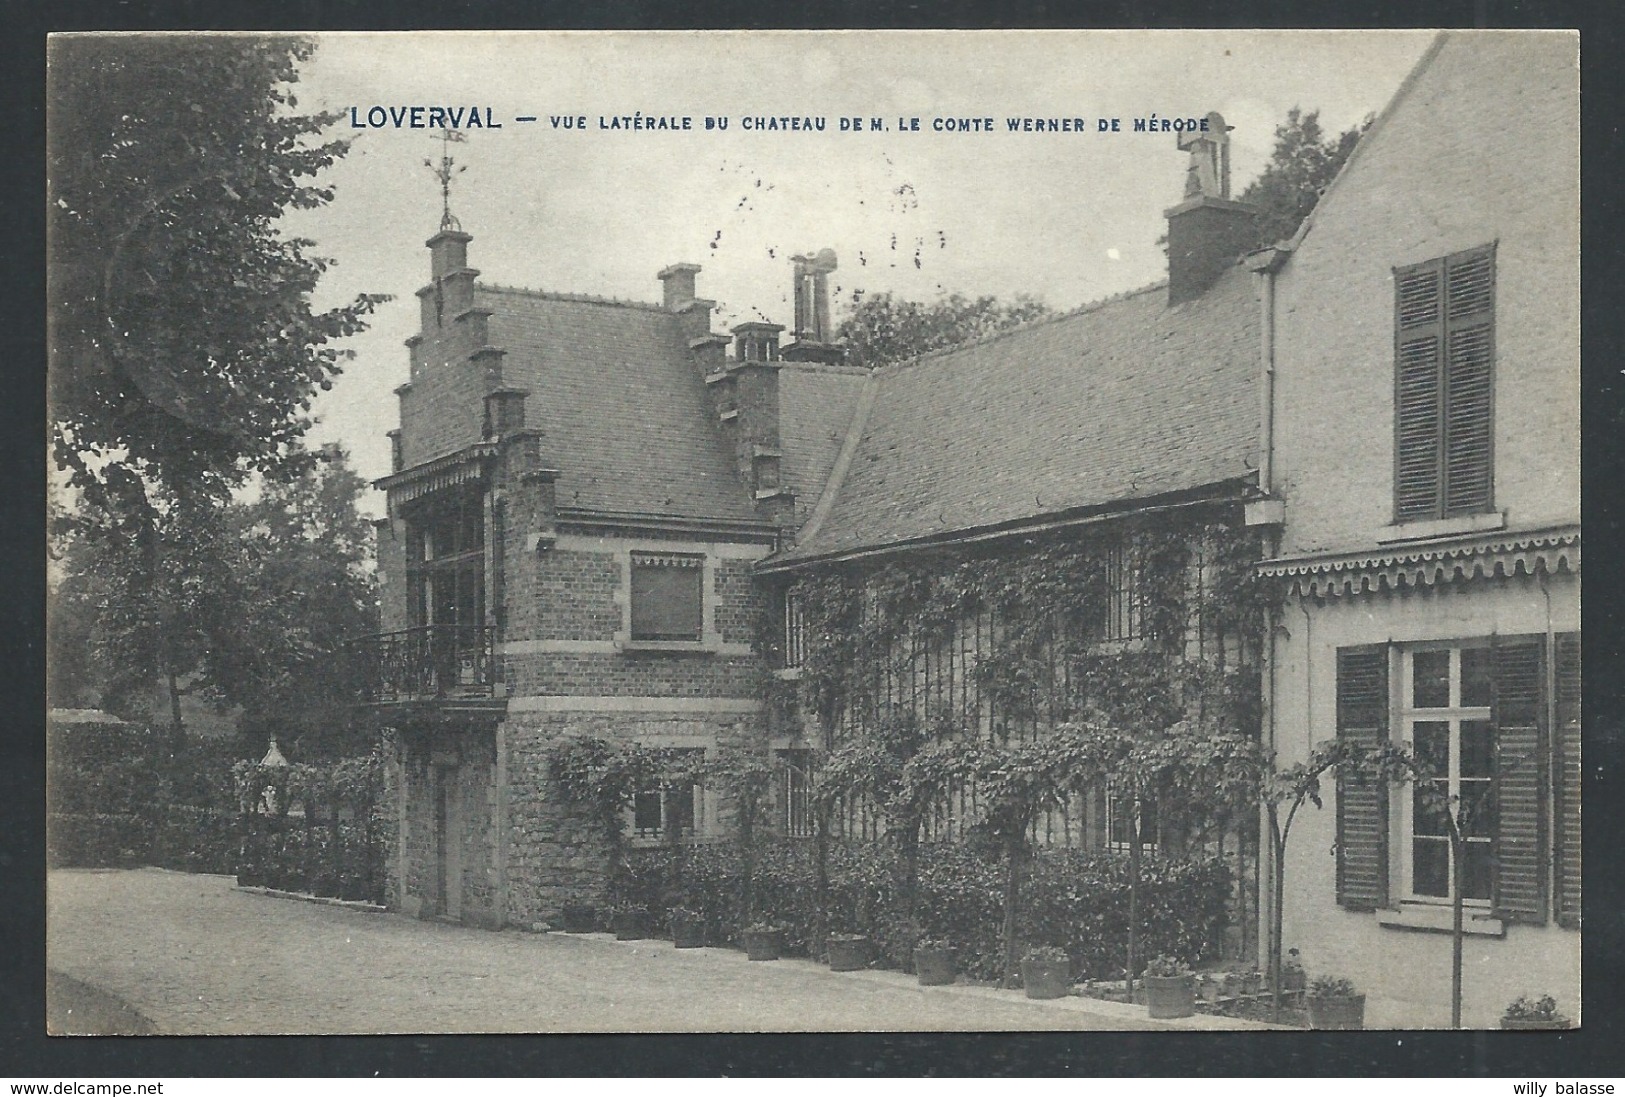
point(762, 944)
point(687, 933)
point(1533, 1025)
point(934, 966)
point(849, 953)
point(1337, 1013)
point(578, 918)
point(630, 925)
point(1168, 996)
point(1045, 978)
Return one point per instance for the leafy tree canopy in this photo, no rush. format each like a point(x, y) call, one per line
point(1304, 162)
point(884, 328)
point(245, 604)
point(183, 344)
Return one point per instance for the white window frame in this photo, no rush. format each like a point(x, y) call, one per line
point(657, 838)
point(1454, 715)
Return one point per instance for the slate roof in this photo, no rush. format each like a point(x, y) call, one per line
point(620, 402)
point(1123, 400)
point(816, 403)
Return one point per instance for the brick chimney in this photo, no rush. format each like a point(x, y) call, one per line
point(814, 333)
point(1209, 230)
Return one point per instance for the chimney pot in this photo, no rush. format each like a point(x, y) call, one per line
point(679, 285)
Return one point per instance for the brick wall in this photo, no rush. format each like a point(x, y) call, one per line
point(574, 595)
point(635, 674)
point(1462, 161)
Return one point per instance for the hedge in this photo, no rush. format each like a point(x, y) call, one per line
point(175, 836)
point(1075, 900)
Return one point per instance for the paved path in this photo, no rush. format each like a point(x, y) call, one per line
point(195, 955)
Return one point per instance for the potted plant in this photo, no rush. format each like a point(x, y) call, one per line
point(1334, 1003)
point(577, 917)
point(849, 951)
point(687, 927)
point(762, 940)
point(629, 922)
point(934, 962)
point(1170, 988)
point(1046, 972)
point(1533, 1014)
point(1293, 976)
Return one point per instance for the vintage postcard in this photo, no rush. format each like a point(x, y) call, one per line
point(861, 531)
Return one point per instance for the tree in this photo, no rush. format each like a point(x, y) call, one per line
point(884, 328)
point(1302, 165)
point(183, 347)
point(246, 603)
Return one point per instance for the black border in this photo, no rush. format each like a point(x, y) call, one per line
point(25, 1051)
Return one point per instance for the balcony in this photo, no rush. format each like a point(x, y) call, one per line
point(440, 663)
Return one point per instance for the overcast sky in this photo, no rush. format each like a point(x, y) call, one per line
point(1065, 217)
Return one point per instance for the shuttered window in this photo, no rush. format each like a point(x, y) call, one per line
point(1480, 712)
point(1567, 785)
point(1444, 319)
point(1362, 801)
point(1519, 716)
point(667, 596)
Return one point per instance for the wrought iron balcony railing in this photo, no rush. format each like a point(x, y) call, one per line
point(428, 663)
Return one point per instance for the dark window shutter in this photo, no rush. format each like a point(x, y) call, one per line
point(1518, 711)
point(1470, 280)
point(667, 598)
point(1417, 403)
point(1362, 800)
point(1567, 786)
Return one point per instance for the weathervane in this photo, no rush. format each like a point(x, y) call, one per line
point(443, 172)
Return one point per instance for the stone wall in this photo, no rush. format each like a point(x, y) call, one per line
point(557, 856)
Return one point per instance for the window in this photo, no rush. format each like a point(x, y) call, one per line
point(1445, 707)
point(795, 786)
point(446, 562)
point(1125, 599)
point(1444, 320)
point(668, 811)
point(795, 632)
point(1479, 710)
point(667, 597)
point(1122, 813)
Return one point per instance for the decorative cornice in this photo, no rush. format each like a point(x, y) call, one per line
point(1458, 561)
point(464, 466)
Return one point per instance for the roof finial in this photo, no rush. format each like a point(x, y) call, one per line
point(443, 172)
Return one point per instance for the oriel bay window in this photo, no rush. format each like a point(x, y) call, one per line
point(445, 577)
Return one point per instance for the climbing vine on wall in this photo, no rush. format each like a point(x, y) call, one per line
point(1041, 656)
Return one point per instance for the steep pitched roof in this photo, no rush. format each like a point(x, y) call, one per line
point(816, 404)
point(1125, 400)
point(620, 403)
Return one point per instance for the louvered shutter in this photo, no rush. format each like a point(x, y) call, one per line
point(1518, 712)
point(1567, 786)
point(1470, 295)
point(1417, 400)
point(1362, 800)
